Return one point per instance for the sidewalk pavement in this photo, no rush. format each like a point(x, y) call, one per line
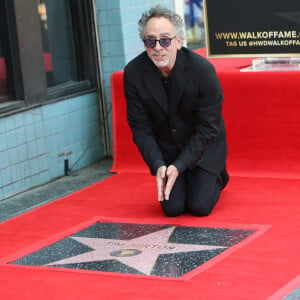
point(53, 190)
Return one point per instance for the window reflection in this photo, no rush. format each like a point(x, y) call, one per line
point(3, 73)
point(57, 36)
point(3, 79)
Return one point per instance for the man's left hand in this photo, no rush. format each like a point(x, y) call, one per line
point(172, 173)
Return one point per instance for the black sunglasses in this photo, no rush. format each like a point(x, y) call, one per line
point(164, 42)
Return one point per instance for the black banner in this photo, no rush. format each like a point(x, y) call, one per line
point(252, 28)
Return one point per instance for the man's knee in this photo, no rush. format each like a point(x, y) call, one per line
point(200, 210)
point(202, 207)
point(172, 210)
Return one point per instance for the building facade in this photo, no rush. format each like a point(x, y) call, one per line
point(56, 57)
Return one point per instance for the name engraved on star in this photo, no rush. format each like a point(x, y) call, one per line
point(141, 246)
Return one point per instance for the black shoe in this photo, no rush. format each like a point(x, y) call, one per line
point(224, 178)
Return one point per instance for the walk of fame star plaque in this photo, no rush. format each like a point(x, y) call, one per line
point(170, 251)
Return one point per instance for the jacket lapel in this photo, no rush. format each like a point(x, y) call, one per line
point(153, 83)
point(179, 77)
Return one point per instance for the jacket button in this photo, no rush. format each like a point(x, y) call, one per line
point(174, 130)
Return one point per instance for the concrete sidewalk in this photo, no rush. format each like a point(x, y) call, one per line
point(53, 190)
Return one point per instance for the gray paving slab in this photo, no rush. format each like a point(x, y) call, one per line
point(53, 190)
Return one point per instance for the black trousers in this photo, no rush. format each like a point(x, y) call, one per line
point(196, 191)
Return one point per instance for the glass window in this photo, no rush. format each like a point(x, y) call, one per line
point(58, 46)
point(57, 59)
point(3, 72)
point(3, 78)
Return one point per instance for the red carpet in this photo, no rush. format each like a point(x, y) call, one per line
point(263, 193)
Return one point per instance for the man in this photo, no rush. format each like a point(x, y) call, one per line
point(174, 104)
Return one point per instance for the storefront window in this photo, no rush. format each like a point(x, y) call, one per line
point(3, 79)
point(3, 72)
point(48, 51)
point(58, 46)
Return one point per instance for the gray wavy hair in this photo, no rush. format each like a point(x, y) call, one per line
point(158, 12)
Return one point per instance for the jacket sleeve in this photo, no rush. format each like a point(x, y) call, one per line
point(141, 127)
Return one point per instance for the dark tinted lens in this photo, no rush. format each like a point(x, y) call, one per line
point(150, 43)
point(165, 42)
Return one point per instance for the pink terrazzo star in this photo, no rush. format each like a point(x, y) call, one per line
point(139, 253)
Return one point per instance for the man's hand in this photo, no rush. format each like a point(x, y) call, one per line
point(165, 179)
point(172, 173)
point(161, 182)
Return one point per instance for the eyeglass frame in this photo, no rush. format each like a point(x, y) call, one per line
point(154, 40)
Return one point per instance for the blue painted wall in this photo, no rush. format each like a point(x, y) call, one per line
point(35, 144)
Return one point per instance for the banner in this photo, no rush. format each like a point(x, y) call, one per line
point(252, 28)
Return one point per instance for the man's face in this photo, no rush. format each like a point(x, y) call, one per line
point(163, 58)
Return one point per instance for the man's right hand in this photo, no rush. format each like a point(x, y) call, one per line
point(161, 180)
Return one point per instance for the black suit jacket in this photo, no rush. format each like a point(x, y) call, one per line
point(185, 129)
